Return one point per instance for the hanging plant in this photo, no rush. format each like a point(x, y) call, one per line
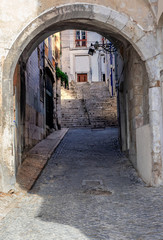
point(63, 76)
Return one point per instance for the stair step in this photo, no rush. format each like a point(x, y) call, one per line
point(96, 108)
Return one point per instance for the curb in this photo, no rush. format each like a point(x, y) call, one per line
point(36, 159)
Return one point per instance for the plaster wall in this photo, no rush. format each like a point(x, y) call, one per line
point(95, 68)
point(136, 99)
point(82, 64)
point(65, 56)
point(144, 161)
point(76, 59)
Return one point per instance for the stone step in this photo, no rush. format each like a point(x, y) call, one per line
point(86, 103)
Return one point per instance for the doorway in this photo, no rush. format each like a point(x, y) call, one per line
point(82, 77)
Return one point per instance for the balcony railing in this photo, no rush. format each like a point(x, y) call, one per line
point(81, 43)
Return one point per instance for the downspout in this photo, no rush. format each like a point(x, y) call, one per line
point(43, 55)
point(111, 75)
point(117, 91)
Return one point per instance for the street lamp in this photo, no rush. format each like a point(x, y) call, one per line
point(105, 47)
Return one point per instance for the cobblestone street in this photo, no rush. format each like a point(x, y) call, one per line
point(88, 190)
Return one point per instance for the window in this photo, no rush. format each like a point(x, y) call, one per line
point(80, 38)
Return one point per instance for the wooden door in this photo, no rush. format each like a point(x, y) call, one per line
point(82, 77)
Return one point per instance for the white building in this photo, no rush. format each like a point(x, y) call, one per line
point(79, 65)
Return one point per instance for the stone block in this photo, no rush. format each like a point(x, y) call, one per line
point(155, 118)
point(133, 31)
point(138, 111)
point(118, 20)
point(148, 40)
point(68, 11)
point(101, 13)
point(138, 90)
point(139, 121)
point(138, 79)
point(157, 160)
point(155, 99)
point(138, 100)
point(156, 139)
point(154, 66)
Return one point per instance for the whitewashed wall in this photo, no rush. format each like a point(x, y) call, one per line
point(76, 60)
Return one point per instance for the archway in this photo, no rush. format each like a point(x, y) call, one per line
point(109, 23)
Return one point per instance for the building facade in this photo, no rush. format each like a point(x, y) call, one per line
point(80, 66)
point(36, 96)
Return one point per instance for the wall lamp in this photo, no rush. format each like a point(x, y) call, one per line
point(91, 50)
point(105, 47)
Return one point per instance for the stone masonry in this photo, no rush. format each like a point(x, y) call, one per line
point(88, 105)
point(134, 24)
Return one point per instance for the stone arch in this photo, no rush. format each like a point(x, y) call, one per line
point(112, 21)
point(96, 17)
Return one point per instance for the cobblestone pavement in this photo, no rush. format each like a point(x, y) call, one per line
point(88, 190)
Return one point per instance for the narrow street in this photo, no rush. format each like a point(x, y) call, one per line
point(88, 190)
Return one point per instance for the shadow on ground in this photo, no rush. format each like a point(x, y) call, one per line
point(89, 186)
point(88, 190)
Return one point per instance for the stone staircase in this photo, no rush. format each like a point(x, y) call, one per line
point(73, 109)
point(88, 105)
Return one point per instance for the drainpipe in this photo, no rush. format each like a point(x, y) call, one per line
point(116, 69)
point(117, 90)
point(43, 56)
point(111, 64)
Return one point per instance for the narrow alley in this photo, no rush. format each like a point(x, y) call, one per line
point(88, 190)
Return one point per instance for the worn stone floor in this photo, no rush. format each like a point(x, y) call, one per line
point(88, 190)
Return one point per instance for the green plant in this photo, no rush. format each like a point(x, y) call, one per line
point(63, 76)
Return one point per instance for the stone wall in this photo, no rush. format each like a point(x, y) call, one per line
point(30, 101)
point(135, 101)
point(35, 129)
